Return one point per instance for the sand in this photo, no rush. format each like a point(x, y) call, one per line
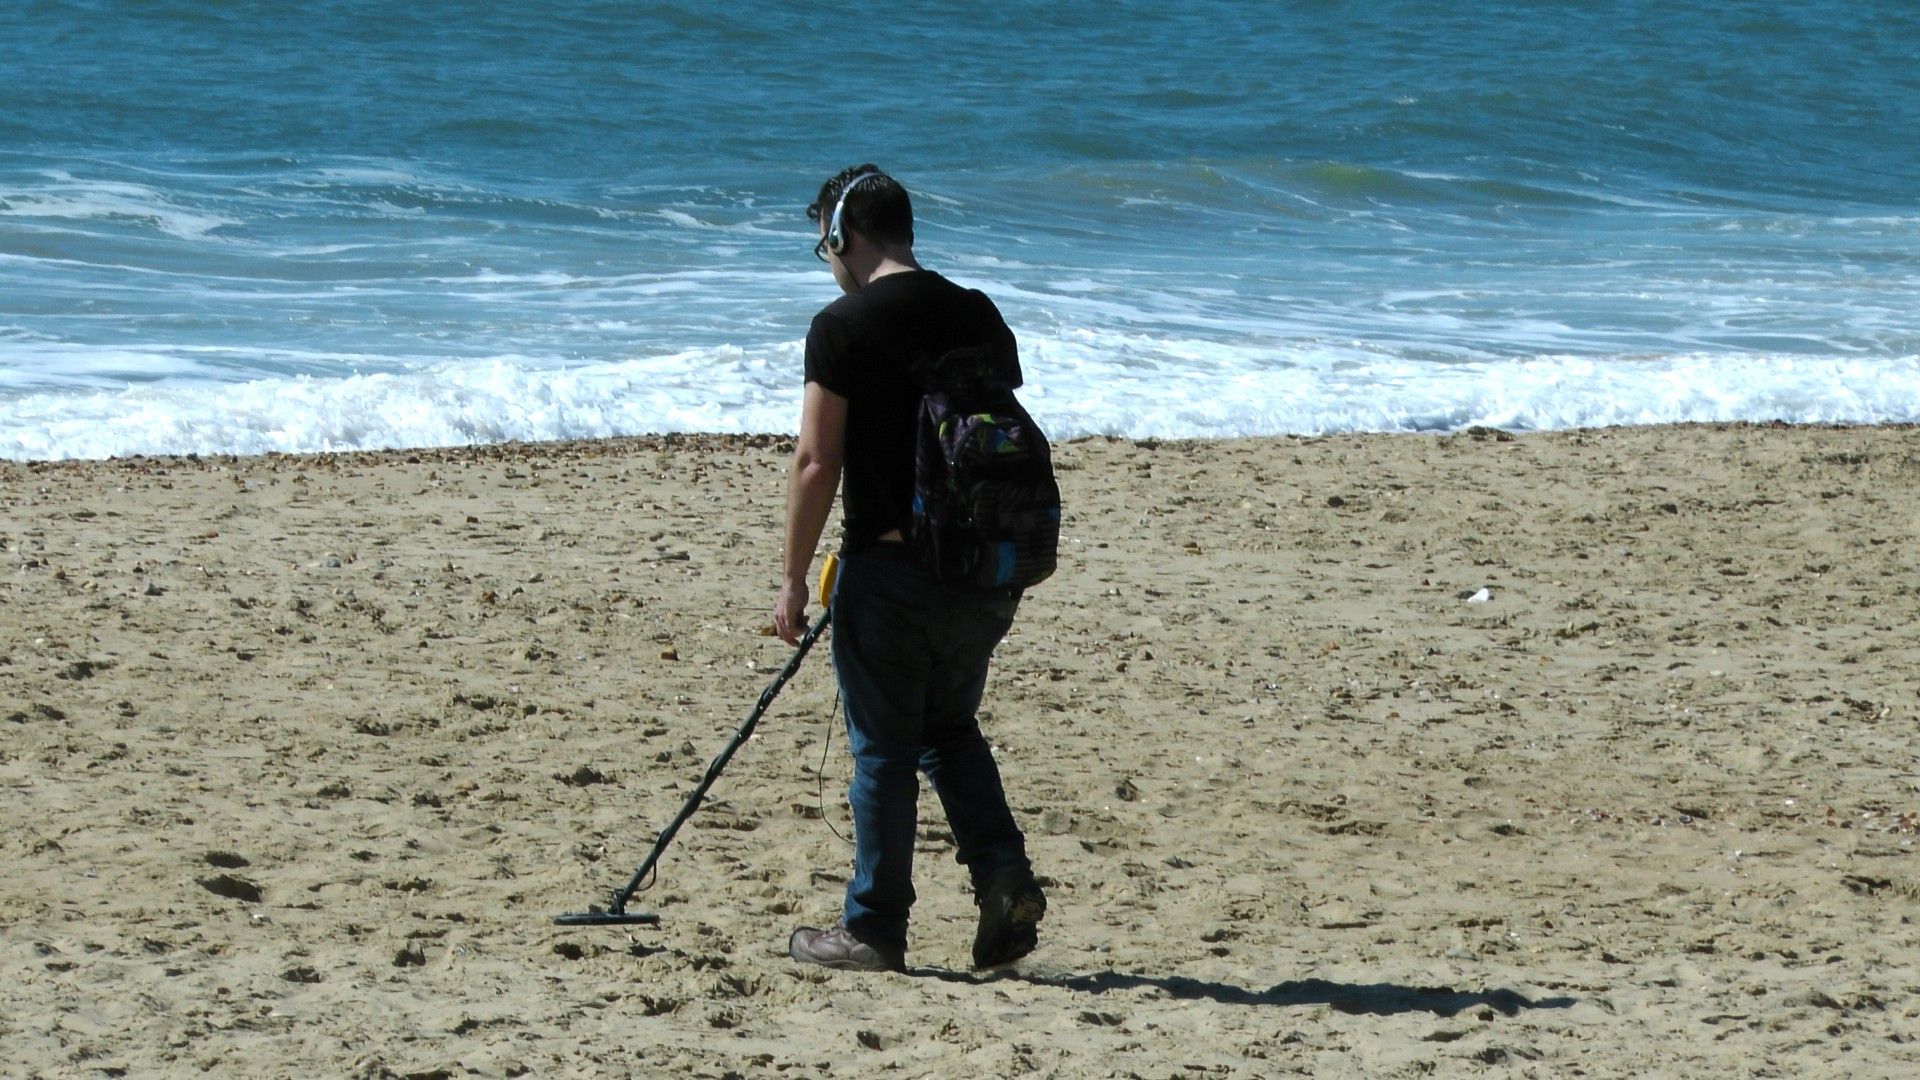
point(1576, 754)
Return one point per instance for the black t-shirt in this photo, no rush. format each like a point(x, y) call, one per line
point(866, 347)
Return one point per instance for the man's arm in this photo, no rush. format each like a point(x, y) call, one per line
point(812, 482)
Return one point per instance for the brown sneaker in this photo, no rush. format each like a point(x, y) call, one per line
point(1010, 912)
point(838, 949)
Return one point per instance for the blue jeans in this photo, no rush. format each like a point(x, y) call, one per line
point(911, 655)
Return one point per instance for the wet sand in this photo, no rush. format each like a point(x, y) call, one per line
point(1578, 754)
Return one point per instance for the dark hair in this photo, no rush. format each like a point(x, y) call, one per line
point(878, 209)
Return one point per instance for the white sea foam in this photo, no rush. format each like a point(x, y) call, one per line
point(1086, 383)
point(67, 199)
point(499, 399)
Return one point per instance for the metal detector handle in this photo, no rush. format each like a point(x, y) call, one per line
point(829, 574)
point(620, 898)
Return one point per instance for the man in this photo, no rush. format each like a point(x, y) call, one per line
point(910, 653)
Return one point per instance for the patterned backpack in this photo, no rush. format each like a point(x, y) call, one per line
point(986, 509)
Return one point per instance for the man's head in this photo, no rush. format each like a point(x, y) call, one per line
point(869, 203)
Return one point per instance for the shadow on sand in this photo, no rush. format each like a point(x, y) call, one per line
point(1378, 999)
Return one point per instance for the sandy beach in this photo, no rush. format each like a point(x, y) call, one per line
point(1577, 754)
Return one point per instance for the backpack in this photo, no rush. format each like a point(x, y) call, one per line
point(986, 508)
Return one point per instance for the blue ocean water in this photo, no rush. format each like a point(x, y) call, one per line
point(333, 224)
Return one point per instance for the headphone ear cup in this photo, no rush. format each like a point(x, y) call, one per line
point(836, 236)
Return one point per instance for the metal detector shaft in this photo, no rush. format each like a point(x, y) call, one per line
point(617, 910)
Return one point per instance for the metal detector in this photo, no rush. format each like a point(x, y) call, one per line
point(616, 913)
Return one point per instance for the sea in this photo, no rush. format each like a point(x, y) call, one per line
point(242, 226)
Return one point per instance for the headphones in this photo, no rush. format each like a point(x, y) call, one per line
point(837, 237)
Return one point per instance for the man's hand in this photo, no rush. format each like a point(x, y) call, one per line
point(790, 612)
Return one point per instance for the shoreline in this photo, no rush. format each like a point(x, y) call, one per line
point(762, 440)
point(303, 752)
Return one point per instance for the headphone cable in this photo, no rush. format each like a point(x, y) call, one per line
point(820, 775)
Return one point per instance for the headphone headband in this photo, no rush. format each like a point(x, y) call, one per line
point(836, 237)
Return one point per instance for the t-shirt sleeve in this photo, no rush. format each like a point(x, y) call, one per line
point(1000, 339)
point(829, 353)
